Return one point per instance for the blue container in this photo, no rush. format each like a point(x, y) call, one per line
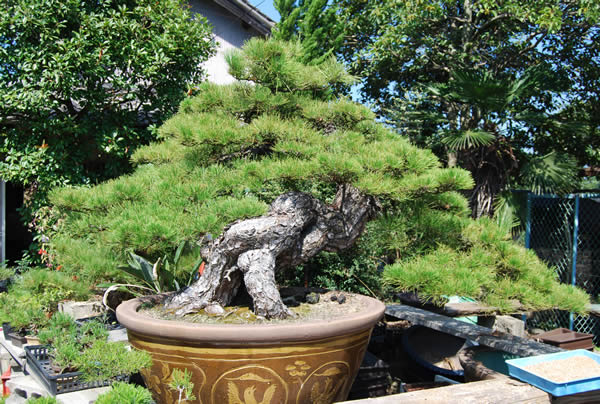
point(515, 369)
point(425, 345)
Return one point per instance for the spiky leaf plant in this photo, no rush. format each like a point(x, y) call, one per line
point(286, 175)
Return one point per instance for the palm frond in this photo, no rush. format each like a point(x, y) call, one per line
point(467, 139)
point(479, 88)
point(510, 210)
point(530, 79)
point(550, 173)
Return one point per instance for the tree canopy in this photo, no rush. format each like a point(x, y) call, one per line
point(495, 87)
point(82, 81)
point(314, 23)
point(232, 150)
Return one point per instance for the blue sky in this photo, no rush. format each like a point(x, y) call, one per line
point(266, 6)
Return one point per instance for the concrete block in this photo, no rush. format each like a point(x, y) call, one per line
point(119, 335)
point(506, 324)
point(79, 310)
point(25, 387)
point(88, 396)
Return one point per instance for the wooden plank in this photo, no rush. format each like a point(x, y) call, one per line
point(580, 398)
point(482, 335)
point(488, 391)
point(594, 309)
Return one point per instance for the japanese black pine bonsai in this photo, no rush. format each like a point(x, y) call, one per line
point(283, 171)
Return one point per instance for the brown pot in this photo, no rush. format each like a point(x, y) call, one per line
point(32, 340)
point(307, 362)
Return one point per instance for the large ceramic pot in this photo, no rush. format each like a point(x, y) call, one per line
point(307, 362)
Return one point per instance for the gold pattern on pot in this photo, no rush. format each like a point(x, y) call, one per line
point(317, 372)
point(252, 384)
point(299, 368)
point(325, 384)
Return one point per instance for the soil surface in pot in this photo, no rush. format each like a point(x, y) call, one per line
point(330, 306)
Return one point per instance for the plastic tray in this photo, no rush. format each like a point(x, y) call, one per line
point(16, 339)
point(109, 320)
point(38, 362)
point(515, 369)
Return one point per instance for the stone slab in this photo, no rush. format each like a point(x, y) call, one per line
point(119, 335)
point(487, 391)
point(79, 310)
point(482, 335)
point(506, 324)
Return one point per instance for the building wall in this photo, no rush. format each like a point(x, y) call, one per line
point(229, 32)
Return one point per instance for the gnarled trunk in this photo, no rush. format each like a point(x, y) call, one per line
point(295, 229)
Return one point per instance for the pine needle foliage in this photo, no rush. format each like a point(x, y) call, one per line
point(482, 262)
point(231, 150)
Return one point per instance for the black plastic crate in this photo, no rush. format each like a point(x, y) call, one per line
point(109, 320)
point(38, 362)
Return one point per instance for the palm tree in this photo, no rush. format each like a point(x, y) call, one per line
point(485, 129)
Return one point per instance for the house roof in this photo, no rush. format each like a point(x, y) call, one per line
point(248, 14)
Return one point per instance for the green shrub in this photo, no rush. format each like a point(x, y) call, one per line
point(124, 393)
point(35, 295)
point(6, 272)
point(23, 311)
point(72, 129)
point(105, 360)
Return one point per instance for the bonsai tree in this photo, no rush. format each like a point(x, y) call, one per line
point(281, 169)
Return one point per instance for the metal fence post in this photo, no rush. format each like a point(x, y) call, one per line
point(574, 256)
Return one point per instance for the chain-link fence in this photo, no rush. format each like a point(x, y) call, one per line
point(565, 233)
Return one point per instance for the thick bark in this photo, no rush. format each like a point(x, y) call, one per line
point(296, 228)
point(491, 167)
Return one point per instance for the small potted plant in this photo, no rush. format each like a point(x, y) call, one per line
point(78, 357)
point(25, 321)
point(32, 298)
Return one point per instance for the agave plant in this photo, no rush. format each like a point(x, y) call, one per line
point(158, 277)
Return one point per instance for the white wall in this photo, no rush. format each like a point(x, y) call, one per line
point(229, 33)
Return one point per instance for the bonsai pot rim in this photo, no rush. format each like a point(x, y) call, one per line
point(128, 316)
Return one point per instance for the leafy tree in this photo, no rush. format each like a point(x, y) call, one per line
point(314, 23)
point(288, 178)
point(82, 81)
point(477, 55)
